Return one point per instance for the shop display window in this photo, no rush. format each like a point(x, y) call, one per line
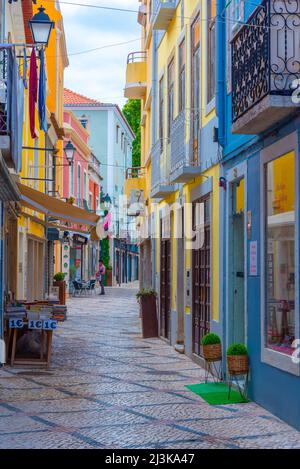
point(280, 231)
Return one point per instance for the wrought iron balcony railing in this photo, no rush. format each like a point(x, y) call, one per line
point(266, 59)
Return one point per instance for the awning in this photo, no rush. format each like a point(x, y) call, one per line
point(56, 208)
point(8, 188)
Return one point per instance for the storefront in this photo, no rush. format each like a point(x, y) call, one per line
point(9, 194)
point(261, 289)
point(40, 250)
point(79, 257)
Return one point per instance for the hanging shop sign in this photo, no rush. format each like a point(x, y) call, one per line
point(39, 324)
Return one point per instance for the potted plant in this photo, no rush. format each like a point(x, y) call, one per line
point(237, 359)
point(59, 281)
point(211, 346)
point(147, 300)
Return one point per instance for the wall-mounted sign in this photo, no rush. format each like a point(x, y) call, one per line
point(35, 324)
point(253, 259)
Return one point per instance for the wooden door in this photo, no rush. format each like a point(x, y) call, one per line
point(202, 285)
point(165, 288)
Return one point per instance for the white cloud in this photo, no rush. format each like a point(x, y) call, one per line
point(100, 74)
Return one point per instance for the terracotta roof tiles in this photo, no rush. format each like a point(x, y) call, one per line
point(75, 99)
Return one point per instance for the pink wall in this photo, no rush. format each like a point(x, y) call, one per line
point(79, 161)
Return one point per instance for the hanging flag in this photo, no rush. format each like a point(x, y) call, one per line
point(42, 93)
point(25, 69)
point(33, 88)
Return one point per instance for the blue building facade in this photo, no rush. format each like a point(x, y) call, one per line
point(258, 57)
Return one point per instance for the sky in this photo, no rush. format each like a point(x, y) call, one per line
point(100, 74)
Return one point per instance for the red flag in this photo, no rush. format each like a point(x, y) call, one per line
point(33, 89)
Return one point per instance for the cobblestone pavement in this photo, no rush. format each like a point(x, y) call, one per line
point(108, 388)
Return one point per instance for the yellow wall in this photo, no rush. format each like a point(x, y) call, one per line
point(168, 48)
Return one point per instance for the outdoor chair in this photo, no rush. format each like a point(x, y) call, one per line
point(91, 287)
point(77, 288)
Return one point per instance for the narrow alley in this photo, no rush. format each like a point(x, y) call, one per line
point(108, 388)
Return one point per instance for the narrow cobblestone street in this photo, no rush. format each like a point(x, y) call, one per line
point(108, 388)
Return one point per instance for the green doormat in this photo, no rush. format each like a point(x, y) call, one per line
point(217, 394)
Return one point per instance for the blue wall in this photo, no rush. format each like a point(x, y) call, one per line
point(274, 389)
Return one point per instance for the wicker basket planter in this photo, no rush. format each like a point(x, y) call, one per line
point(212, 352)
point(238, 364)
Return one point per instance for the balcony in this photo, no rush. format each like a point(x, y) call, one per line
point(184, 166)
point(265, 67)
point(162, 13)
point(136, 76)
point(161, 185)
point(11, 110)
point(135, 190)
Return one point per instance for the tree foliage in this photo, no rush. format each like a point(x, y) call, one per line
point(132, 112)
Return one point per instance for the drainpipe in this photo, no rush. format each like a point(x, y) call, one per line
point(221, 70)
point(153, 135)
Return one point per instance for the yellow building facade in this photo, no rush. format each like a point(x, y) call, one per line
point(32, 263)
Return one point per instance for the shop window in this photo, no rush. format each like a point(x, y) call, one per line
point(280, 254)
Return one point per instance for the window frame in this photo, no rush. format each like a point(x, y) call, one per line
point(276, 150)
point(193, 52)
point(182, 76)
point(230, 33)
point(161, 112)
point(210, 24)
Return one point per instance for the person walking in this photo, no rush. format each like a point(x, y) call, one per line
point(100, 276)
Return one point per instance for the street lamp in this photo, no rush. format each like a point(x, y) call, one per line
point(41, 26)
point(70, 152)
